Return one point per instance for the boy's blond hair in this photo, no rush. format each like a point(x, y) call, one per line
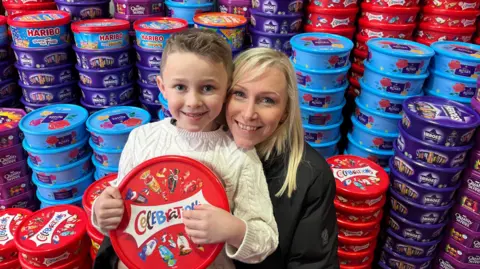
point(201, 42)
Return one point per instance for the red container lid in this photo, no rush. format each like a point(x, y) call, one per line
point(3, 20)
point(220, 20)
point(358, 177)
point(156, 193)
point(100, 26)
point(450, 12)
point(39, 18)
point(446, 29)
point(354, 82)
point(160, 25)
point(332, 11)
point(13, 264)
point(31, 6)
point(364, 266)
point(347, 32)
point(10, 220)
point(94, 190)
point(360, 225)
point(39, 232)
point(356, 240)
point(360, 53)
point(81, 261)
point(386, 26)
point(477, 40)
point(359, 210)
point(356, 255)
point(424, 41)
point(387, 9)
point(93, 233)
point(358, 68)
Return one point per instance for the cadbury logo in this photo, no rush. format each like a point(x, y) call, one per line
point(270, 7)
point(428, 178)
point(429, 218)
point(99, 100)
point(43, 32)
point(110, 81)
point(270, 27)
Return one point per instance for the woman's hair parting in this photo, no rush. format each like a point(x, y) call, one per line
point(289, 135)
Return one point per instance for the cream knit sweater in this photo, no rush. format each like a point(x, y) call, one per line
point(240, 171)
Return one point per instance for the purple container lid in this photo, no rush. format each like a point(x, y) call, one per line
point(406, 259)
point(448, 262)
point(37, 106)
point(419, 226)
point(132, 18)
point(424, 207)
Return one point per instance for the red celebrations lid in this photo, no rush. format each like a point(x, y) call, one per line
point(10, 220)
point(152, 234)
point(94, 190)
point(357, 177)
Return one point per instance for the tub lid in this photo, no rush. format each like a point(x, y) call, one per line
point(10, 264)
point(321, 43)
point(117, 120)
point(151, 189)
point(358, 177)
point(400, 48)
point(10, 118)
point(458, 50)
point(95, 189)
point(218, 19)
point(100, 26)
point(160, 25)
point(441, 111)
point(47, 18)
point(10, 220)
point(53, 119)
point(52, 228)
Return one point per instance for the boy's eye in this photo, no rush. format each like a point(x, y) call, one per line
point(179, 87)
point(208, 88)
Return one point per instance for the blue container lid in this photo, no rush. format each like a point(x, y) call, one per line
point(453, 77)
point(383, 94)
point(322, 71)
point(53, 119)
point(458, 50)
point(61, 168)
point(325, 145)
point(103, 150)
point(162, 100)
point(76, 200)
point(117, 120)
point(464, 100)
point(321, 43)
point(369, 150)
point(61, 186)
point(107, 168)
point(27, 147)
point(400, 48)
point(328, 91)
point(323, 127)
point(358, 125)
point(324, 110)
point(377, 113)
point(396, 75)
point(181, 5)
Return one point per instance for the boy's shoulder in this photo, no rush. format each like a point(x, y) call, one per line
point(151, 127)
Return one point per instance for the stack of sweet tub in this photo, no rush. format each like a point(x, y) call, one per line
point(85, 9)
point(44, 58)
point(334, 17)
point(187, 9)
point(361, 187)
point(109, 129)
point(435, 136)
point(454, 72)
point(104, 63)
point(442, 20)
point(151, 36)
point(11, 219)
point(273, 23)
point(8, 85)
point(321, 62)
point(16, 189)
point(394, 70)
point(16, 6)
point(59, 155)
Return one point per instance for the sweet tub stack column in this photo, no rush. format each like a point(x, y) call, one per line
point(321, 63)
point(11, 219)
point(57, 144)
point(8, 86)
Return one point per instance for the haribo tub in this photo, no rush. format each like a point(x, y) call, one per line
point(40, 29)
point(101, 34)
point(152, 33)
point(231, 27)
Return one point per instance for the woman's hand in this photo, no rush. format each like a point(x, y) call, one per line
point(108, 209)
point(207, 224)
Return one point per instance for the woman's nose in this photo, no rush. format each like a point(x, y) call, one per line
point(250, 112)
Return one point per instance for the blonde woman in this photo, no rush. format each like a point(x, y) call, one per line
point(262, 111)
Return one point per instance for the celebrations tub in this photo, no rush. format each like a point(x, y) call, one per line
point(231, 27)
point(334, 18)
point(11, 219)
point(441, 33)
point(457, 58)
point(93, 191)
point(449, 18)
point(152, 33)
point(375, 29)
point(101, 34)
point(387, 14)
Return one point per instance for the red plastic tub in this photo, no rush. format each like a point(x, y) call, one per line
point(354, 244)
point(359, 214)
point(442, 33)
point(13, 264)
point(390, 15)
point(346, 32)
point(361, 42)
point(375, 29)
point(96, 238)
point(13, 8)
point(94, 190)
point(476, 40)
point(334, 4)
point(453, 4)
point(24, 1)
point(450, 18)
point(331, 17)
point(12, 218)
point(356, 258)
point(359, 56)
point(394, 3)
point(82, 261)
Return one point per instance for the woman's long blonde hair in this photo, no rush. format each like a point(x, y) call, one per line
point(288, 138)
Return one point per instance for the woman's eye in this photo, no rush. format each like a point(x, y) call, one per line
point(208, 88)
point(179, 87)
point(268, 100)
point(238, 94)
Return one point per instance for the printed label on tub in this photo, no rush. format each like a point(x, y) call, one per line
point(156, 194)
point(10, 220)
point(440, 112)
point(9, 118)
point(39, 37)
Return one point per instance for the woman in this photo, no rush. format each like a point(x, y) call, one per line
point(263, 112)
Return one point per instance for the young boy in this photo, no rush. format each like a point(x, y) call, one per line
point(196, 71)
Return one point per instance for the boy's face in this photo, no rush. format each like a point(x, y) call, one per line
point(195, 89)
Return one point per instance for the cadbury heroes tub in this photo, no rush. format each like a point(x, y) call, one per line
point(85, 10)
point(93, 191)
point(410, 248)
point(231, 27)
point(43, 57)
point(97, 59)
point(413, 231)
point(152, 33)
point(276, 24)
point(101, 34)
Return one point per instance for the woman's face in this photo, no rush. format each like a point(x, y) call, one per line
point(255, 108)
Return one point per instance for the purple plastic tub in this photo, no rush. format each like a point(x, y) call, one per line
point(466, 218)
point(148, 92)
point(25, 200)
point(460, 252)
point(469, 200)
point(464, 236)
point(471, 180)
point(29, 107)
point(151, 107)
point(106, 78)
point(9, 101)
point(278, 7)
point(412, 230)
point(11, 155)
point(435, 155)
point(277, 42)
point(139, 7)
point(445, 261)
point(8, 88)
point(46, 76)
point(4, 49)
point(418, 213)
point(474, 160)
point(148, 58)
point(148, 75)
point(43, 57)
point(238, 7)
point(92, 109)
point(13, 171)
point(62, 174)
point(397, 261)
point(276, 24)
point(439, 121)
point(420, 194)
point(103, 59)
point(85, 10)
point(6, 70)
point(16, 187)
point(107, 96)
point(49, 94)
point(410, 248)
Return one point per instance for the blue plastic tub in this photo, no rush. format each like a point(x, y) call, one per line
point(372, 139)
point(316, 134)
point(328, 149)
point(321, 116)
point(392, 55)
point(152, 33)
point(101, 171)
point(57, 157)
point(376, 120)
point(163, 112)
point(321, 98)
point(381, 157)
point(322, 79)
point(64, 191)
point(47, 202)
point(457, 58)
point(392, 82)
point(451, 85)
point(321, 51)
point(106, 157)
point(186, 11)
point(63, 174)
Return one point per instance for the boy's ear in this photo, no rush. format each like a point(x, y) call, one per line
point(160, 85)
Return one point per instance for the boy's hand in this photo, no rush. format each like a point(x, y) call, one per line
point(109, 209)
point(207, 224)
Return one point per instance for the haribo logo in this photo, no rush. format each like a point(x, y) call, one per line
point(146, 37)
point(146, 221)
point(44, 236)
point(43, 32)
point(110, 37)
point(5, 234)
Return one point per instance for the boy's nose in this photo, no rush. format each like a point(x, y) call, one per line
point(193, 100)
